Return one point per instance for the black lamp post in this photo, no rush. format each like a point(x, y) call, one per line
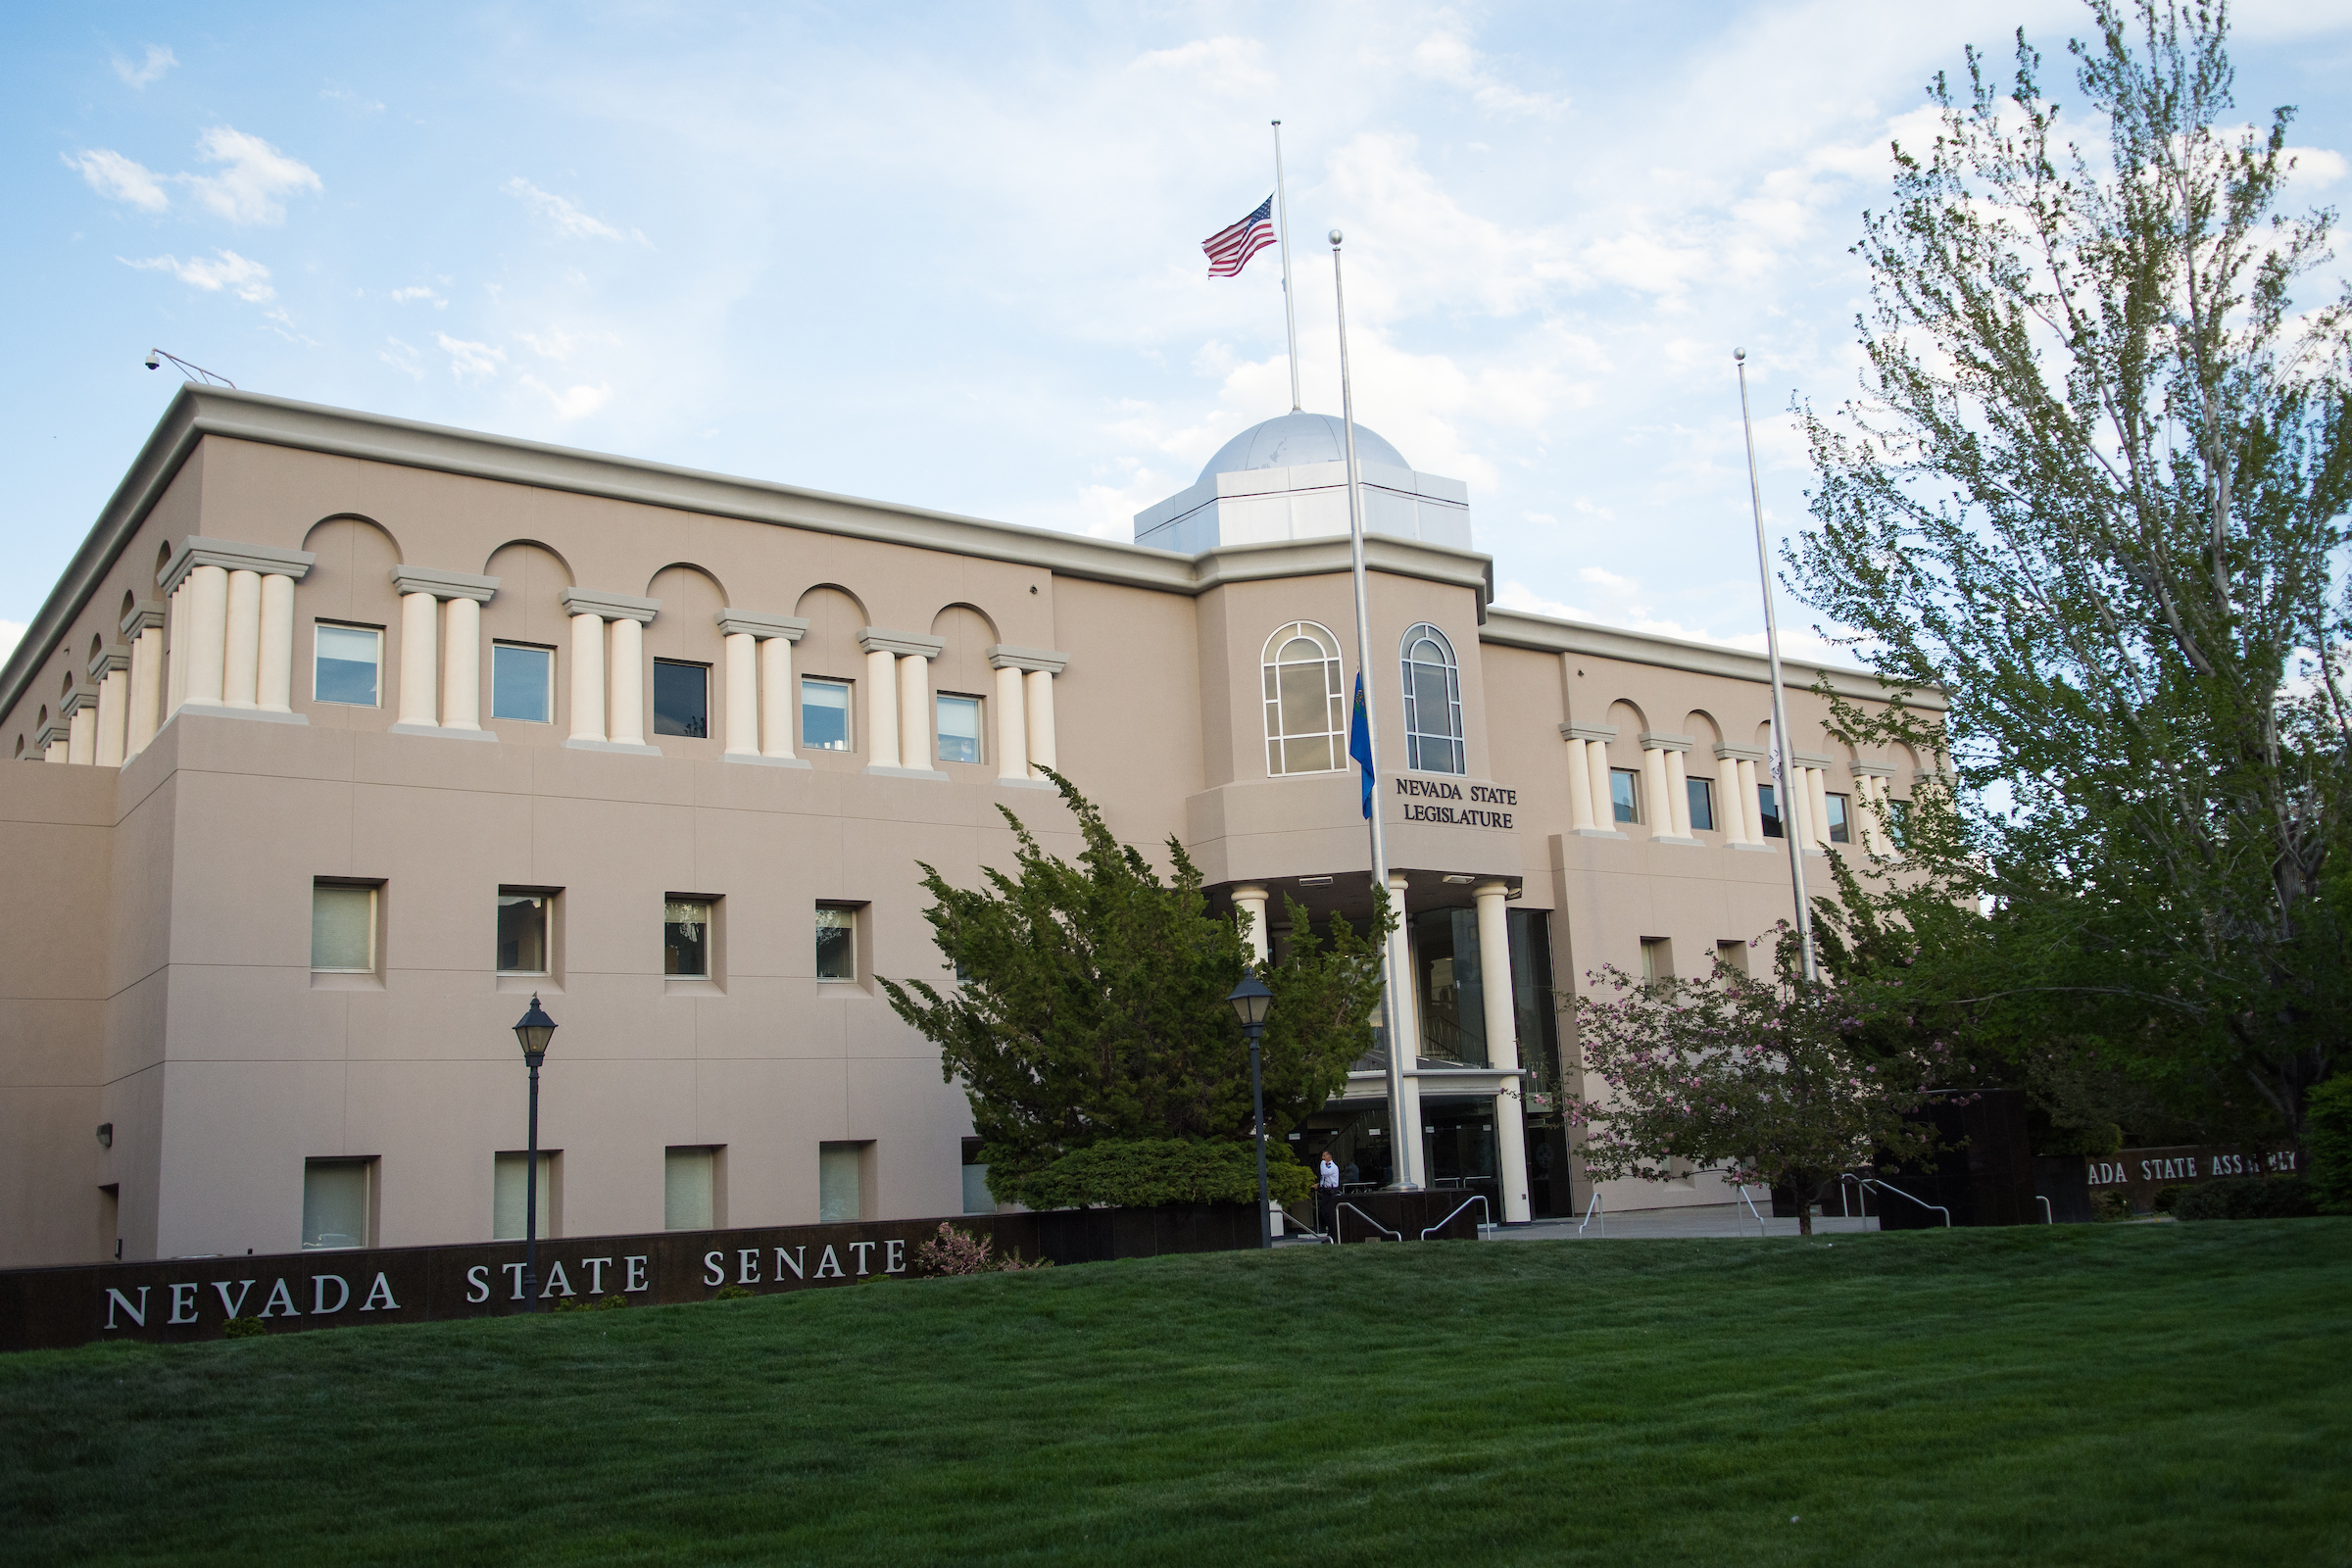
point(533, 1033)
point(1251, 1001)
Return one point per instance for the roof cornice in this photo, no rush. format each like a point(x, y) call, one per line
point(1516, 628)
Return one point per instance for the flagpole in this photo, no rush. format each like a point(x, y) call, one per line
point(1782, 739)
point(1290, 312)
point(1403, 1140)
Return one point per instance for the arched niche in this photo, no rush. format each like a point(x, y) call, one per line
point(527, 607)
point(835, 617)
point(961, 668)
point(350, 580)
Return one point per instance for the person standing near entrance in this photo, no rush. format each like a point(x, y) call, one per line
point(1327, 1193)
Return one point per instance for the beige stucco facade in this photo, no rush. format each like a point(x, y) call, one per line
point(156, 963)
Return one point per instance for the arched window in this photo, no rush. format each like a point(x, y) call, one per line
point(1306, 707)
point(1432, 703)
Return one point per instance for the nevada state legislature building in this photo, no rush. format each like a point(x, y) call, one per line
point(345, 735)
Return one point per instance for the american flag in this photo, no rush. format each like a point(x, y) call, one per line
point(1229, 249)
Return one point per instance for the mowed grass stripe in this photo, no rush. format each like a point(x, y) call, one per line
point(2127, 1395)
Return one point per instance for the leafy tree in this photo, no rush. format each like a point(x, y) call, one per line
point(1786, 1082)
point(1090, 1007)
point(2094, 489)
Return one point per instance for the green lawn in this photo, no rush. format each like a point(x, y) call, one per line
point(2130, 1394)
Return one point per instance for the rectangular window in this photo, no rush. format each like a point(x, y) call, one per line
point(510, 1178)
point(836, 943)
point(1731, 955)
point(342, 928)
point(977, 1198)
point(1657, 960)
point(1838, 830)
point(681, 699)
point(522, 931)
point(334, 1203)
point(522, 683)
point(349, 659)
point(686, 938)
point(690, 1189)
point(826, 716)
point(959, 729)
point(841, 1183)
point(1703, 805)
point(1768, 810)
point(1625, 794)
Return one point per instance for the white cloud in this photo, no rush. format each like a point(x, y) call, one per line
point(1230, 68)
point(335, 93)
point(250, 190)
point(117, 178)
point(573, 402)
point(1446, 56)
point(242, 276)
point(10, 633)
point(419, 291)
point(2316, 166)
point(568, 220)
point(402, 356)
point(470, 362)
point(158, 59)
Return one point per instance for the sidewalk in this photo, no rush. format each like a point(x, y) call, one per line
point(1723, 1220)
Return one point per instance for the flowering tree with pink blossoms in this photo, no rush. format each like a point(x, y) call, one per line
point(1780, 1082)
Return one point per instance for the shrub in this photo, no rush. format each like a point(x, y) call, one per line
point(2168, 1199)
point(243, 1328)
point(2248, 1198)
point(2327, 1145)
point(2110, 1205)
point(1155, 1172)
point(586, 1303)
point(954, 1252)
point(733, 1293)
point(2095, 1141)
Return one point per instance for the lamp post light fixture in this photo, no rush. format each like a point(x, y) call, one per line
point(1252, 1001)
point(532, 1033)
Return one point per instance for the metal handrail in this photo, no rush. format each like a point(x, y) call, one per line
point(2049, 1217)
point(1761, 1228)
point(1593, 1208)
point(1872, 1181)
point(1398, 1235)
point(1480, 1198)
point(1305, 1229)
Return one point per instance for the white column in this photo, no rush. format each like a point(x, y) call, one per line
point(462, 664)
point(182, 610)
point(743, 694)
point(419, 630)
point(917, 737)
point(1678, 793)
point(1502, 1046)
point(1404, 1009)
point(629, 681)
point(81, 731)
point(146, 707)
point(587, 677)
point(881, 709)
point(1250, 898)
point(273, 671)
point(1658, 809)
point(1798, 812)
point(1604, 804)
point(1012, 725)
point(57, 750)
point(776, 697)
point(114, 698)
point(241, 666)
point(1751, 803)
point(1579, 787)
point(1038, 687)
point(206, 643)
point(1731, 815)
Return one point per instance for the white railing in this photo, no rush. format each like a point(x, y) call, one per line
point(1594, 1210)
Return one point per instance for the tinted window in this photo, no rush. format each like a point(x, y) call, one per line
point(681, 699)
point(348, 658)
point(1703, 805)
point(1624, 803)
point(959, 729)
point(1768, 810)
point(826, 716)
point(521, 683)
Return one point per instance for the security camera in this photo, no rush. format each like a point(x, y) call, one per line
point(153, 361)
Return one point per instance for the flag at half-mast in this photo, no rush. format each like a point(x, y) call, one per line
point(1229, 249)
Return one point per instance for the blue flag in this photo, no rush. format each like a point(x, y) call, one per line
point(1359, 741)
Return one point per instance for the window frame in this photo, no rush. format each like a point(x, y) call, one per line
point(547, 932)
point(1699, 795)
point(849, 923)
point(1769, 824)
point(979, 735)
point(700, 668)
point(1455, 739)
point(1279, 736)
point(498, 647)
point(365, 1165)
point(1841, 811)
point(1633, 803)
point(318, 625)
point(708, 904)
point(849, 714)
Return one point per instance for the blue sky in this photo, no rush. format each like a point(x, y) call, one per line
point(948, 255)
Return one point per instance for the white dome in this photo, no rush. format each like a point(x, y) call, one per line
point(1300, 438)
